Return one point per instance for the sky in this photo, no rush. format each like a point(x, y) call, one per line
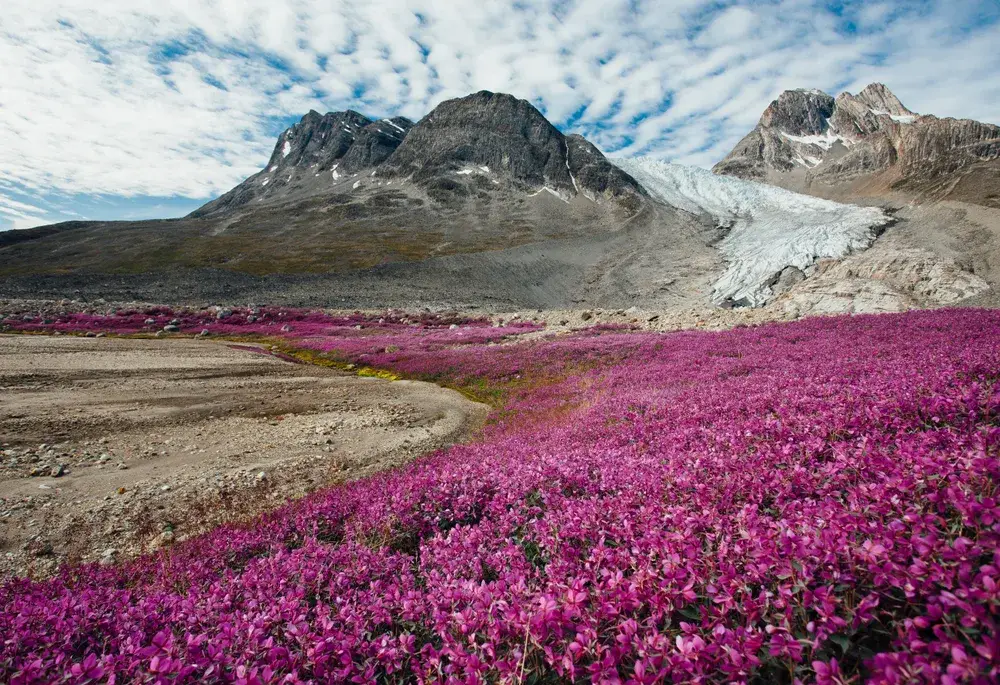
point(148, 108)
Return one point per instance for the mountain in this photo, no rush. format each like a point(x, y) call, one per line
point(363, 211)
point(868, 145)
point(470, 143)
point(471, 148)
point(484, 203)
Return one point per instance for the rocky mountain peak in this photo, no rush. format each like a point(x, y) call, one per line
point(318, 150)
point(317, 140)
point(799, 112)
point(882, 100)
point(492, 130)
point(488, 141)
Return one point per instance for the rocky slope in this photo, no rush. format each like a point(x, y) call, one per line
point(868, 145)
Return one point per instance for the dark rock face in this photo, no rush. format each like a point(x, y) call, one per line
point(866, 144)
point(375, 143)
point(592, 173)
point(497, 131)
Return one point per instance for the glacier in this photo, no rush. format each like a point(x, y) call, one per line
point(769, 228)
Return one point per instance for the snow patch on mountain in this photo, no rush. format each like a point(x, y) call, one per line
point(769, 228)
point(825, 140)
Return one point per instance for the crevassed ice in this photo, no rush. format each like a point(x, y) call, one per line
point(770, 228)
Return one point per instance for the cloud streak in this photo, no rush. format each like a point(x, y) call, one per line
point(183, 99)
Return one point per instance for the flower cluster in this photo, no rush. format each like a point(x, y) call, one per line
point(815, 501)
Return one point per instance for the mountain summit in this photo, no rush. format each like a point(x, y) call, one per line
point(867, 144)
point(503, 140)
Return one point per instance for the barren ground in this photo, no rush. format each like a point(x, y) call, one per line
point(110, 447)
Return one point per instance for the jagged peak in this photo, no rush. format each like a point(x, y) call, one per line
point(881, 100)
point(799, 112)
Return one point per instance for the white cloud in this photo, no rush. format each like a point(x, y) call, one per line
point(118, 97)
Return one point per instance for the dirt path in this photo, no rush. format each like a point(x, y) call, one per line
point(109, 447)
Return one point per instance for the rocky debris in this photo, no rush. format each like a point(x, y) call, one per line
point(867, 144)
point(789, 277)
point(882, 280)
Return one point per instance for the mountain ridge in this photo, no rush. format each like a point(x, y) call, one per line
point(867, 145)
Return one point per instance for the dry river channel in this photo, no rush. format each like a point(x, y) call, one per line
point(112, 447)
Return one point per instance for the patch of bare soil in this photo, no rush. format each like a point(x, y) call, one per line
point(113, 447)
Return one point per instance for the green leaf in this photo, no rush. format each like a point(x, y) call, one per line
point(842, 641)
point(692, 612)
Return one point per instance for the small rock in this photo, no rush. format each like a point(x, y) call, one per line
point(57, 470)
point(171, 328)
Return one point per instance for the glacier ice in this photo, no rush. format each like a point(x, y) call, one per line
point(769, 228)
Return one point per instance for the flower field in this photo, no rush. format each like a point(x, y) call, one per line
point(815, 501)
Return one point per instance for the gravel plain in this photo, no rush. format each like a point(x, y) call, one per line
point(111, 447)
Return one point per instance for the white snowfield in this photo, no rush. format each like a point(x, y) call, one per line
point(770, 228)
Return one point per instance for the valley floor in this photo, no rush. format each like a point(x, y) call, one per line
point(109, 447)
